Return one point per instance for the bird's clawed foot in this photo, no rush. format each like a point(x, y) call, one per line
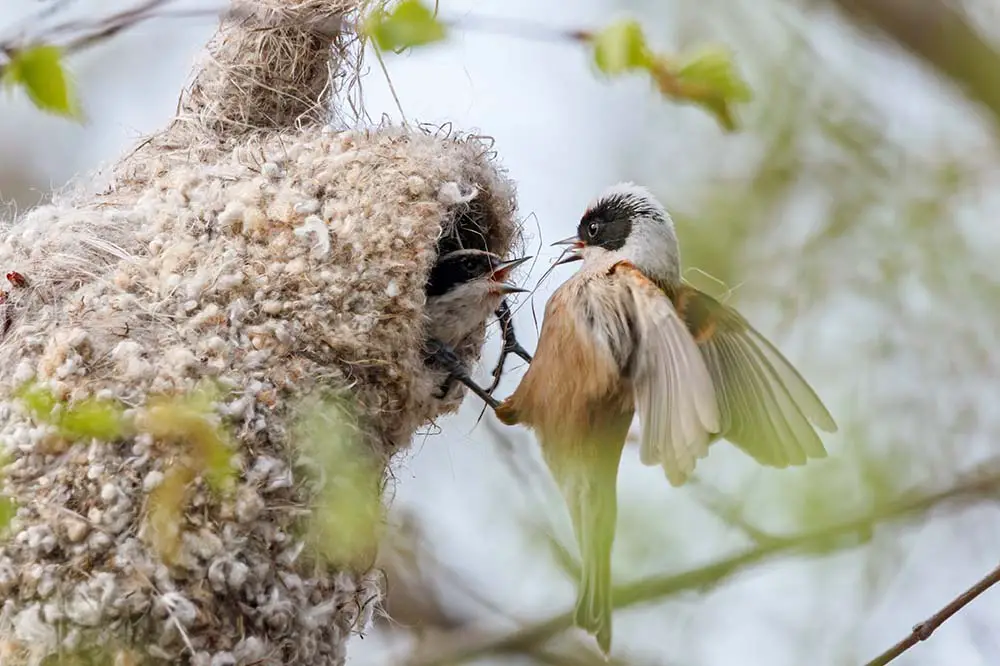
point(510, 344)
point(449, 361)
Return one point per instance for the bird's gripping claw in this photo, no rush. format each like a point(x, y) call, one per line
point(464, 288)
point(510, 344)
point(445, 357)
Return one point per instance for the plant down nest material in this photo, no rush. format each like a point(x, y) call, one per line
point(252, 245)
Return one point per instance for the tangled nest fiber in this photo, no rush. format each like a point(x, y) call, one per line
point(252, 245)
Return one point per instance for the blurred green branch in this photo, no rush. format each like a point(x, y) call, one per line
point(939, 34)
point(981, 484)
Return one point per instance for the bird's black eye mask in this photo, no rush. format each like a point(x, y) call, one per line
point(606, 225)
point(472, 225)
point(609, 222)
point(454, 270)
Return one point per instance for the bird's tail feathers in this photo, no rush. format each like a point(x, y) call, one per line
point(593, 505)
point(593, 605)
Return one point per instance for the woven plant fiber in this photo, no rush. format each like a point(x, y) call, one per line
point(252, 246)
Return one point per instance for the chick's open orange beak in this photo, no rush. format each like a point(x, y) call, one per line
point(571, 253)
point(502, 271)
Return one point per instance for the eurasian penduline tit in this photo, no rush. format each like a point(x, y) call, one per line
point(626, 334)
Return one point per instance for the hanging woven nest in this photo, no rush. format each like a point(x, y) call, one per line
point(251, 246)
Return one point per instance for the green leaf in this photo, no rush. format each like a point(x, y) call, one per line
point(8, 508)
point(166, 512)
point(189, 419)
point(410, 24)
point(713, 68)
point(40, 72)
point(621, 47)
point(39, 401)
point(92, 418)
point(344, 526)
point(709, 78)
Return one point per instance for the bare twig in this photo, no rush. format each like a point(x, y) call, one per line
point(519, 28)
point(541, 531)
point(983, 483)
point(77, 35)
point(923, 631)
point(388, 80)
point(508, 27)
point(118, 23)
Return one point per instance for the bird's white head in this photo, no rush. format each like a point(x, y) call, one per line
point(627, 222)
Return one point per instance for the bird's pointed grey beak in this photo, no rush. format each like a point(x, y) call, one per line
point(501, 270)
point(571, 253)
point(572, 240)
point(500, 273)
point(508, 288)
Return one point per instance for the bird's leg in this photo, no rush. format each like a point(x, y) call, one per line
point(510, 343)
point(446, 357)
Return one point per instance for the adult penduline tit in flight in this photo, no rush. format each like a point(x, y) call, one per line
point(626, 334)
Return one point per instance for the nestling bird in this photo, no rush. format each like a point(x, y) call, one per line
point(463, 289)
point(624, 334)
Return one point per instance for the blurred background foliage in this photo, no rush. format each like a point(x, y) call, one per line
point(853, 221)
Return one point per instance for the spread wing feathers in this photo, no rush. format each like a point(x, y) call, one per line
point(765, 405)
point(673, 389)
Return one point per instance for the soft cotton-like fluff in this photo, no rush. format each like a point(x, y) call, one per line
point(249, 246)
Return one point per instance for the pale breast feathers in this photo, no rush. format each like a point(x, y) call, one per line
point(575, 379)
point(612, 342)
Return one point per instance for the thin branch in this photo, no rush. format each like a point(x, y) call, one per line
point(520, 28)
point(122, 22)
point(78, 35)
point(388, 80)
point(507, 27)
point(923, 631)
point(981, 484)
point(540, 530)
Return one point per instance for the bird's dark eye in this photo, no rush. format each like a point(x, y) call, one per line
point(592, 229)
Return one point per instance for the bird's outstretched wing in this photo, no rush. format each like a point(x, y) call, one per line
point(766, 407)
point(677, 405)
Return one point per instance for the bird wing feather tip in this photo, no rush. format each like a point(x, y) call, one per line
point(675, 476)
point(804, 396)
point(768, 409)
point(649, 453)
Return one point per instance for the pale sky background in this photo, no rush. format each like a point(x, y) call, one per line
point(564, 135)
